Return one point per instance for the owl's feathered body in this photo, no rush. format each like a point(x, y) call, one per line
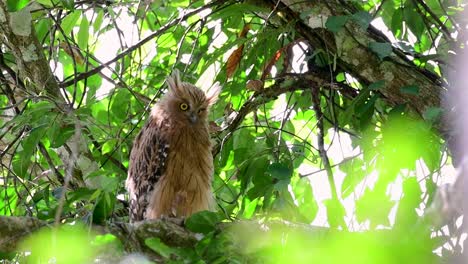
point(171, 165)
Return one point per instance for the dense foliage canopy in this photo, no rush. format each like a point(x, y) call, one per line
point(330, 113)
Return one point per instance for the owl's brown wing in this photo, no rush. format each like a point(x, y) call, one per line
point(147, 163)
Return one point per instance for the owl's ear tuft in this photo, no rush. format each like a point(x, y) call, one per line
point(213, 93)
point(173, 81)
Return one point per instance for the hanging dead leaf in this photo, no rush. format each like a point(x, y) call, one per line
point(235, 57)
point(244, 31)
point(271, 62)
point(254, 85)
point(214, 127)
point(233, 61)
point(287, 53)
point(73, 51)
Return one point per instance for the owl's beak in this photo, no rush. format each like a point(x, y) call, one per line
point(193, 117)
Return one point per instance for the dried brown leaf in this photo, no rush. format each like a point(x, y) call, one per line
point(233, 61)
point(236, 56)
point(255, 85)
point(214, 127)
point(244, 31)
point(271, 62)
point(286, 51)
point(73, 51)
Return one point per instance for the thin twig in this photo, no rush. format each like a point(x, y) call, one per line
point(46, 155)
point(73, 156)
point(320, 139)
point(157, 33)
point(298, 83)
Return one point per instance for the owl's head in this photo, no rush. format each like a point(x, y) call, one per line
point(188, 103)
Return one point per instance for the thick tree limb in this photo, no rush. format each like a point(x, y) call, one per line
point(247, 238)
point(350, 46)
point(17, 33)
point(350, 49)
point(14, 229)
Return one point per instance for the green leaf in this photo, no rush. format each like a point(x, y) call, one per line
point(335, 213)
point(42, 28)
point(366, 111)
point(79, 194)
point(59, 132)
point(406, 215)
point(375, 206)
point(335, 23)
point(47, 3)
point(381, 49)
point(404, 141)
point(97, 23)
point(83, 33)
point(355, 173)
point(202, 222)
point(432, 114)
point(69, 4)
point(40, 110)
point(410, 89)
point(104, 207)
point(249, 207)
point(69, 22)
point(397, 21)
point(259, 191)
point(257, 170)
point(8, 198)
point(376, 85)
point(109, 146)
point(279, 171)
point(282, 185)
point(263, 183)
point(65, 132)
point(16, 5)
point(307, 205)
point(108, 240)
point(398, 110)
point(22, 159)
point(433, 155)
point(159, 247)
point(71, 244)
point(120, 104)
point(413, 19)
point(236, 9)
point(362, 18)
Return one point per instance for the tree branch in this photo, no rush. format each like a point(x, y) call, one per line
point(251, 238)
point(289, 83)
point(350, 46)
point(315, 92)
point(157, 33)
point(27, 50)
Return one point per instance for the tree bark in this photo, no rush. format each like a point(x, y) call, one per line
point(350, 50)
point(245, 239)
point(350, 45)
point(18, 34)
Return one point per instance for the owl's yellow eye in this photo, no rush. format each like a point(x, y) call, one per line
point(183, 106)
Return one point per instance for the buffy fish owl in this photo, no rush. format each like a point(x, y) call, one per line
point(171, 165)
